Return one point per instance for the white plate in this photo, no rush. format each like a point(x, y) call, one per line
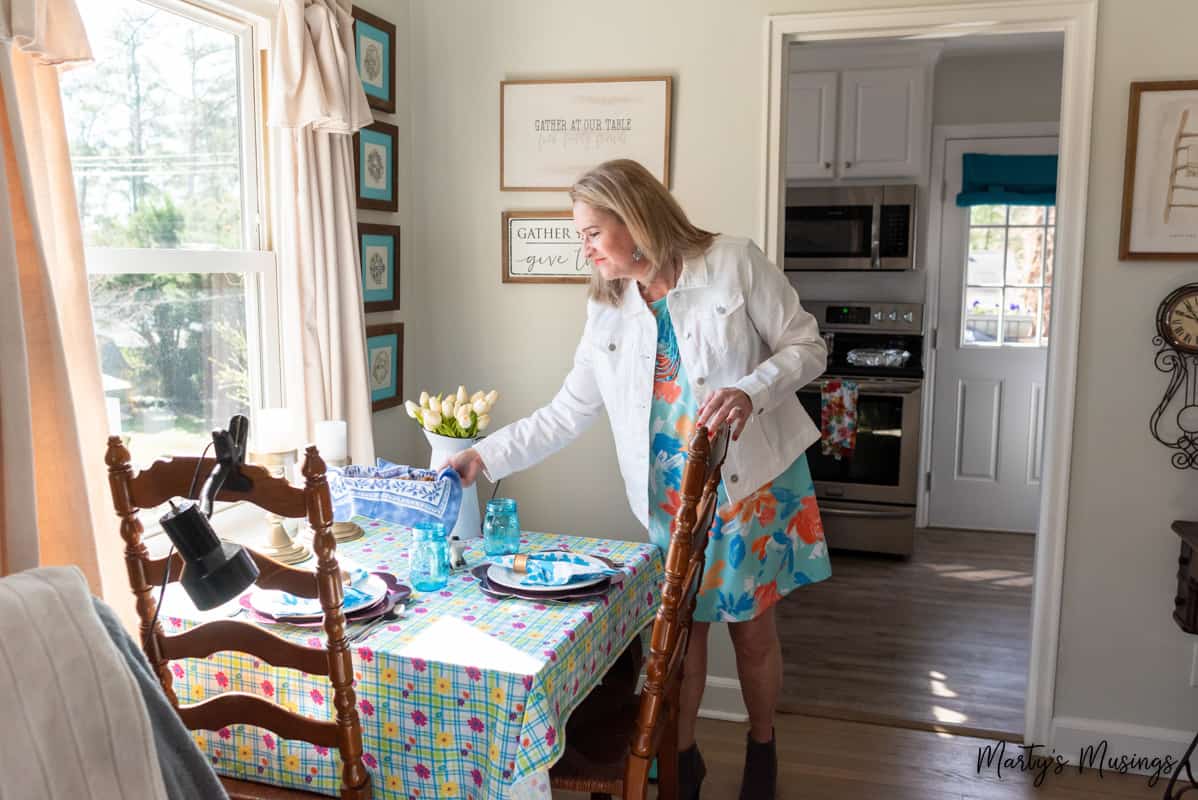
point(510, 579)
point(282, 605)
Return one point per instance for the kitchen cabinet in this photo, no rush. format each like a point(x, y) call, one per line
point(858, 122)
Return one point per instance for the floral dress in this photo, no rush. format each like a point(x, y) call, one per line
point(759, 549)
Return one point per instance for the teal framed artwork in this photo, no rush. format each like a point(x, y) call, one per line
point(376, 162)
point(374, 46)
point(378, 247)
point(384, 365)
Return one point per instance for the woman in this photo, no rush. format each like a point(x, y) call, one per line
point(688, 328)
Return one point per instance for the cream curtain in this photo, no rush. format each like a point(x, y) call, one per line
point(316, 103)
point(54, 506)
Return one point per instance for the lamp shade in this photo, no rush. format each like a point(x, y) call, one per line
point(214, 572)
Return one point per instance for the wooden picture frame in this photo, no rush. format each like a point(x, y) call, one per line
point(374, 52)
point(376, 167)
point(379, 252)
point(535, 250)
point(1160, 173)
point(384, 365)
point(551, 131)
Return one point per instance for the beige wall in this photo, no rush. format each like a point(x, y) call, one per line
point(984, 88)
point(1122, 659)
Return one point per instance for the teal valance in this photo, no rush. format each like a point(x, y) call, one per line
point(1008, 180)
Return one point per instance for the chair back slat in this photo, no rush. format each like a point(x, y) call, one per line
point(685, 561)
point(230, 634)
point(173, 477)
point(271, 574)
point(162, 480)
point(232, 708)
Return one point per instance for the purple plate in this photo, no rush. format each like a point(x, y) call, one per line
point(396, 593)
point(503, 592)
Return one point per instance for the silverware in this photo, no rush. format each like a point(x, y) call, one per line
point(370, 627)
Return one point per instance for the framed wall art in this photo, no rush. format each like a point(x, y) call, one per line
point(551, 131)
point(376, 164)
point(384, 365)
point(378, 247)
point(374, 44)
point(1160, 173)
point(542, 247)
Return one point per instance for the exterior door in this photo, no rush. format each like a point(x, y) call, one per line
point(991, 353)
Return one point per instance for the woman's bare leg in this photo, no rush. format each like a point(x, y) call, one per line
point(694, 680)
point(759, 666)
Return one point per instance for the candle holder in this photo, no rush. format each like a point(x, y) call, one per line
point(279, 544)
point(332, 442)
point(344, 531)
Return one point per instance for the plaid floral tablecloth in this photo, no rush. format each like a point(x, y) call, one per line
point(463, 696)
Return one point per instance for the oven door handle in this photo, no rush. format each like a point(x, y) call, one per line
point(854, 512)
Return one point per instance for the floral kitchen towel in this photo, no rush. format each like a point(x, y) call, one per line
point(396, 493)
point(555, 568)
point(838, 417)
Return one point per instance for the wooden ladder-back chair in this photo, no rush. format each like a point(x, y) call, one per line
point(611, 741)
point(175, 477)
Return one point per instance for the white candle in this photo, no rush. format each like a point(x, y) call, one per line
point(275, 430)
point(331, 438)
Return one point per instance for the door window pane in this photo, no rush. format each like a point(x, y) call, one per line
point(1029, 215)
point(1025, 256)
point(985, 260)
point(1021, 316)
point(983, 310)
point(988, 215)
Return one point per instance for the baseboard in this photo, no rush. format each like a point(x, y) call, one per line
point(1140, 744)
point(722, 700)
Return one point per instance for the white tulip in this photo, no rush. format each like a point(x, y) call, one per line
point(463, 416)
point(474, 398)
point(492, 396)
point(447, 407)
point(462, 396)
point(424, 399)
point(432, 420)
point(483, 421)
point(411, 408)
point(481, 406)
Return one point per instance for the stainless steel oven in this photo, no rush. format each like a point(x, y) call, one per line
point(867, 496)
point(849, 228)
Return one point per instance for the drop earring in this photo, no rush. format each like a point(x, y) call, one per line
point(637, 255)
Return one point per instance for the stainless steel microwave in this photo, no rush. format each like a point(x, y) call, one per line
point(850, 228)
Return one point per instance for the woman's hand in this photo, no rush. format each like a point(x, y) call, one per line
point(467, 463)
point(725, 405)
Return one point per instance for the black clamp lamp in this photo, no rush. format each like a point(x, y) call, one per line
point(214, 571)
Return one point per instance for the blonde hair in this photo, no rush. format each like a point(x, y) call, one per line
point(657, 224)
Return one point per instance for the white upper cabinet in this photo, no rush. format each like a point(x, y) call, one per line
point(858, 113)
point(883, 132)
point(811, 125)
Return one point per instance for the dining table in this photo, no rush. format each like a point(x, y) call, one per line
point(464, 695)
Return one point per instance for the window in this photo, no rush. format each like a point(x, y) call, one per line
point(1008, 276)
point(164, 138)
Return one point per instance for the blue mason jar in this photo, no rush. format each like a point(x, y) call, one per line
point(428, 557)
point(501, 528)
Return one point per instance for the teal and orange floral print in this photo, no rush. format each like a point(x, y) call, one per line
point(761, 548)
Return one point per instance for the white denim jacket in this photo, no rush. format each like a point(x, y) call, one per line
point(738, 323)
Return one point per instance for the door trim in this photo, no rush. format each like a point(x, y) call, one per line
point(941, 136)
point(1078, 20)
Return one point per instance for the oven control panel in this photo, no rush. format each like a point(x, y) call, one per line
point(877, 316)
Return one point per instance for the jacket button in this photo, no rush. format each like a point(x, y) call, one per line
point(612, 347)
point(700, 381)
point(719, 309)
point(734, 478)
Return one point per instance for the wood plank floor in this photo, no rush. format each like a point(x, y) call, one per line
point(825, 759)
point(941, 638)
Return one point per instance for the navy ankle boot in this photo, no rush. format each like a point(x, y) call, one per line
point(759, 781)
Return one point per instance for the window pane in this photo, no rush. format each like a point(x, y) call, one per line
point(1028, 215)
point(1052, 215)
point(1025, 256)
point(985, 259)
point(1046, 317)
point(173, 356)
point(154, 126)
point(988, 215)
point(1021, 316)
point(1050, 254)
point(982, 312)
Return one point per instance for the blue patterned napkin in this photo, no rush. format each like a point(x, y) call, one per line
point(396, 493)
point(557, 568)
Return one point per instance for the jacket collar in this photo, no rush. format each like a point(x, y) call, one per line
point(694, 275)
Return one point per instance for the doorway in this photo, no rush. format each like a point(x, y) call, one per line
point(1077, 22)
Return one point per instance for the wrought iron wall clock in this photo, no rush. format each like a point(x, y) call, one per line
point(1177, 338)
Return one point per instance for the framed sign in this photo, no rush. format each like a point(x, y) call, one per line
point(552, 131)
point(376, 163)
point(1160, 173)
point(384, 365)
point(374, 44)
point(542, 247)
point(378, 247)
